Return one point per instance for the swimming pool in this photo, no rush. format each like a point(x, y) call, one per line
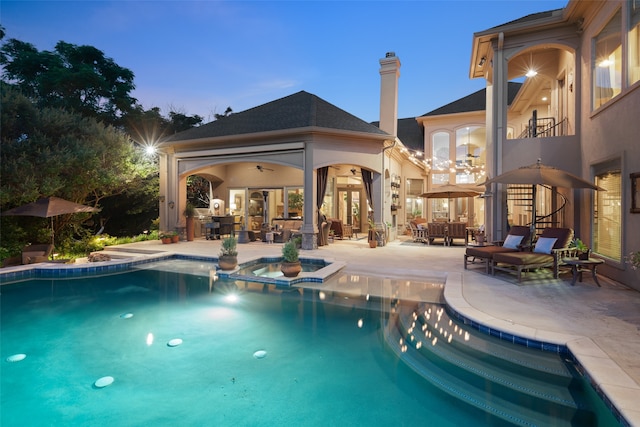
point(331, 357)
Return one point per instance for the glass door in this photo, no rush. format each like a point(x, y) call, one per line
point(349, 207)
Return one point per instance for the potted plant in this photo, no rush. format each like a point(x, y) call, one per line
point(296, 203)
point(633, 259)
point(291, 266)
point(190, 213)
point(373, 234)
point(166, 237)
point(582, 249)
point(228, 258)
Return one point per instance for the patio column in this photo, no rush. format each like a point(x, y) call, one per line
point(309, 226)
point(495, 208)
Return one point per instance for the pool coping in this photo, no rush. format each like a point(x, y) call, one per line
point(56, 270)
point(615, 387)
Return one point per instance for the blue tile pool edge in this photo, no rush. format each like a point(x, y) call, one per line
point(62, 271)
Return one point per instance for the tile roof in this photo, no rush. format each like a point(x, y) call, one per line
point(299, 110)
point(477, 101)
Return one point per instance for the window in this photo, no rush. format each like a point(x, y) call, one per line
point(470, 153)
point(634, 41)
point(606, 67)
point(607, 218)
point(413, 202)
point(440, 152)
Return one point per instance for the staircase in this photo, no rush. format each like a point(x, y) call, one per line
point(513, 384)
point(520, 197)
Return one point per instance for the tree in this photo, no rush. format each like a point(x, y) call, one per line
point(76, 78)
point(59, 153)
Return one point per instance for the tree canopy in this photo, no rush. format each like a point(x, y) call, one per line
point(77, 78)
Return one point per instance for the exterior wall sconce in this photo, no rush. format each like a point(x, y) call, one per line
point(172, 205)
point(161, 199)
point(482, 61)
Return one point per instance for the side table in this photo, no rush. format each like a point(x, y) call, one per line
point(579, 265)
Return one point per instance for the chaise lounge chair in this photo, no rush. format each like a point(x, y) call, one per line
point(32, 254)
point(550, 248)
point(516, 243)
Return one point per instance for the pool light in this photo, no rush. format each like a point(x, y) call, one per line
point(232, 298)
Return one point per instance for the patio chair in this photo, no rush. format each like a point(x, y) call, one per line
point(437, 230)
point(549, 250)
point(418, 233)
point(340, 229)
point(456, 230)
point(516, 243)
point(32, 254)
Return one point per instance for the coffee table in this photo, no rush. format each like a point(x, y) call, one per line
point(579, 265)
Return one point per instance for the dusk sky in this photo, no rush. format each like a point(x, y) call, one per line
point(199, 57)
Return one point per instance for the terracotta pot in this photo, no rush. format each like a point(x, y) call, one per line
point(175, 239)
point(291, 269)
point(166, 240)
point(584, 255)
point(228, 262)
point(190, 229)
point(373, 243)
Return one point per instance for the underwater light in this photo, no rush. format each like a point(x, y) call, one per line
point(231, 298)
point(149, 338)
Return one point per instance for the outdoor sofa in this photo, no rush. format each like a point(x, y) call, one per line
point(32, 254)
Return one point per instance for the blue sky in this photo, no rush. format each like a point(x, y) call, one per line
point(199, 57)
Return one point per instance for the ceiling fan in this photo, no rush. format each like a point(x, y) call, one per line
point(262, 168)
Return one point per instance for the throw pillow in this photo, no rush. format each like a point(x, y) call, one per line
point(512, 241)
point(544, 245)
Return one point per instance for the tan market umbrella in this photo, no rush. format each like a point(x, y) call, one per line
point(48, 207)
point(539, 174)
point(450, 191)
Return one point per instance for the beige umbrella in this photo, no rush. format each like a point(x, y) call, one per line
point(539, 174)
point(450, 191)
point(48, 207)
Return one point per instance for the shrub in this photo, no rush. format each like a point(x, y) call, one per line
point(290, 252)
point(229, 247)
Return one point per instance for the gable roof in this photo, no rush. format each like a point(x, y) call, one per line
point(477, 101)
point(299, 110)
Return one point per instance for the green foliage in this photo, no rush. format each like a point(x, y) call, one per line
point(75, 78)
point(229, 247)
point(296, 201)
point(633, 259)
point(198, 189)
point(189, 210)
point(290, 252)
point(167, 234)
point(579, 245)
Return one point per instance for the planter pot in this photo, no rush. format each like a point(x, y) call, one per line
point(291, 269)
point(166, 240)
point(190, 229)
point(228, 262)
point(175, 239)
point(373, 238)
point(584, 255)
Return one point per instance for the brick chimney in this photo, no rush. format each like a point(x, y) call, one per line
point(389, 74)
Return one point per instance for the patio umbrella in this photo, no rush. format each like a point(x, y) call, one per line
point(48, 207)
point(539, 174)
point(450, 191)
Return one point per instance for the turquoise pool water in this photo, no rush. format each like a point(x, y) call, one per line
point(329, 359)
